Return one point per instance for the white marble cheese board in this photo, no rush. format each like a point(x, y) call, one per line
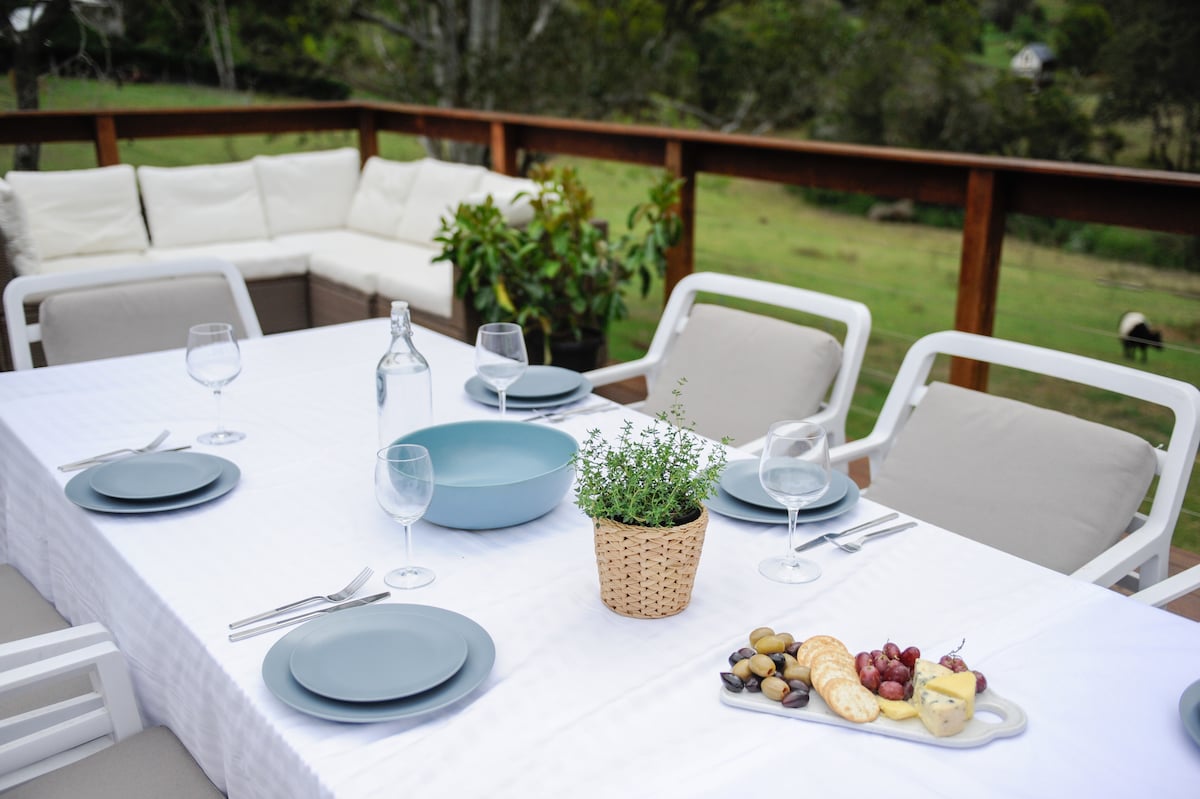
point(995, 717)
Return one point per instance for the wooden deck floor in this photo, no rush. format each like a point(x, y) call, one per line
point(1187, 606)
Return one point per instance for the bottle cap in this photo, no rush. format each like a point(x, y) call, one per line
point(399, 305)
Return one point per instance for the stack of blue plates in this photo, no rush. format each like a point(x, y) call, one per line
point(539, 387)
point(156, 481)
point(740, 495)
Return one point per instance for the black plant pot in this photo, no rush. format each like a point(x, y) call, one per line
point(589, 352)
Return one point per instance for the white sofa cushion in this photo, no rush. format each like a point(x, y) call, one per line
point(1036, 483)
point(187, 205)
point(439, 188)
point(503, 190)
point(307, 191)
point(81, 211)
point(254, 259)
point(382, 195)
point(18, 243)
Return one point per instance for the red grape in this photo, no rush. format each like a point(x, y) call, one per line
point(953, 662)
point(870, 678)
point(910, 656)
point(897, 672)
point(876, 653)
point(980, 682)
point(882, 663)
point(862, 660)
point(892, 650)
point(890, 689)
point(908, 690)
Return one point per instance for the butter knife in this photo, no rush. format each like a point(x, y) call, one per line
point(275, 625)
point(821, 539)
point(77, 465)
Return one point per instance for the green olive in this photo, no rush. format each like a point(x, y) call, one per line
point(762, 665)
point(770, 644)
point(787, 638)
point(742, 668)
point(775, 688)
point(796, 672)
point(759, 632)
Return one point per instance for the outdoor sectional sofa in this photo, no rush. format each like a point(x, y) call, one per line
point(318, 239)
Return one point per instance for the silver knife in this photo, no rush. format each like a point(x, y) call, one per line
point(575, 412)
point(275, 625)
point(821, 539)
point(77, 465)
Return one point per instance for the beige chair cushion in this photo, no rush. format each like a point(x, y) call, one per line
point(149, 765)
point(26, 613)
point(1039, 484)
point(205, 204)
point(745, 371)
point(131, 318)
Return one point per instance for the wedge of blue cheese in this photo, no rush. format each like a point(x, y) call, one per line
point(946, 703)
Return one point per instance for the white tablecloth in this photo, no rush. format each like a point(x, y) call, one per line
point(581, 701)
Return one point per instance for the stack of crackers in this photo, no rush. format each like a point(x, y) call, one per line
point(835, 679)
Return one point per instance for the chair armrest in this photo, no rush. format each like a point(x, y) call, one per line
point(618, 372)
point(857, 449)
point(1134, 551)
point(1171, 588)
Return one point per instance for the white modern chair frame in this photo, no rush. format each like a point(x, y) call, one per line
point(854, 315)
point(1146, 548)
point(45, 739)
point(26, 288)
point(1171, 588)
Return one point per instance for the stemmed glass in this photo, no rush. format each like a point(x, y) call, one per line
point(794, 469)
point(404, 488)
point(213, 360)
point(500, 357)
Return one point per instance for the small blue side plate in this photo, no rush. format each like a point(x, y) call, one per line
point(740, 480)
point(545, 381)
point(477, 390)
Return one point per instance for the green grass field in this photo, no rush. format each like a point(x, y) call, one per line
point(906, 274)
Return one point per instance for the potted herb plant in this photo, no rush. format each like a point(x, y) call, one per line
point(560, 276)
point(644, 492)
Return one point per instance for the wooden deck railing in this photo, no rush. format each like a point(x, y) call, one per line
point(988, 188)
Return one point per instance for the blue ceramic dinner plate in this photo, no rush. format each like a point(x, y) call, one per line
point(481, 655)
point(545, 381)
point(79, 490)
point(373, 658)
point(156, 475)
point(728, 505)
point(1189, 710)
point(740, 481)
point(477, 390)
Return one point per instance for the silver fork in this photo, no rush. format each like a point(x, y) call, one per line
point(558, 416)
point(337, 596)
point(160, 438)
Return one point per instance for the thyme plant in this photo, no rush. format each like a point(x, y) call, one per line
point(655, 477)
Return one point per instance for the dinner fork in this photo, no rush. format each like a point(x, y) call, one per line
point(337, 596)
point(160, 438)
point(558, 416)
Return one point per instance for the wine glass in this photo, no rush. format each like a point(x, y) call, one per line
point(500, 357)
point(403, 488)
point(213, 360)
point(794, 469)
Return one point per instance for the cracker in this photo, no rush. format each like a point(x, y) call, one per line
point(850, 700)
point(830, 666)
point(818, 643)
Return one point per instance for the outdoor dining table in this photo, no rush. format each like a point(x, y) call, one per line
point(581, 701)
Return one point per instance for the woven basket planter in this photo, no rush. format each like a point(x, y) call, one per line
point(648, 572)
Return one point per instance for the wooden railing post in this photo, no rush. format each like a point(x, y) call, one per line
point(979, 271)
point(107, 153)
point(368, 134)
point(681, 257)
point(504, 149)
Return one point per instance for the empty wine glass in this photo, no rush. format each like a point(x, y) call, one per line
point(794, 470)
point(500, 357)
point(213, 360)
point(404, 488)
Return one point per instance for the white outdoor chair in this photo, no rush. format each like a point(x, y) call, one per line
point(746, 370)
point(103, 313)
point(1039, 484)
point(1171, 588)
point(89, 745)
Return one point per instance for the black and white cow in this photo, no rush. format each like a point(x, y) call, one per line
point(1136, 334)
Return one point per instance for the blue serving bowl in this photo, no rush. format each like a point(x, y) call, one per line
point(491, 474)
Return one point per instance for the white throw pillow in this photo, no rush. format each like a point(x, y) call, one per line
point(503, 189)
point(382, 196)
point(307, 191)
point(202, 204)
point(81, 211)
point(439, 188)
point(18, 244)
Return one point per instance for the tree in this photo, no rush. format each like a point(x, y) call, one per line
point(1080, 35)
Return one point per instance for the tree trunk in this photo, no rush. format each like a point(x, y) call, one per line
point(27, 47)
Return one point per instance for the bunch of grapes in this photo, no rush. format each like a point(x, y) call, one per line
point(956, 664)
point(888, 671)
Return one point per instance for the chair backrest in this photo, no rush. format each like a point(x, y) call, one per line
point(746, 370)
point(1043, 485)
point(102, 313)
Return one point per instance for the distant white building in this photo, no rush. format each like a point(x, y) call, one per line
point(1035, 62)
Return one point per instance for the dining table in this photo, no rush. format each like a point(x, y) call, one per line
point(580, 701)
